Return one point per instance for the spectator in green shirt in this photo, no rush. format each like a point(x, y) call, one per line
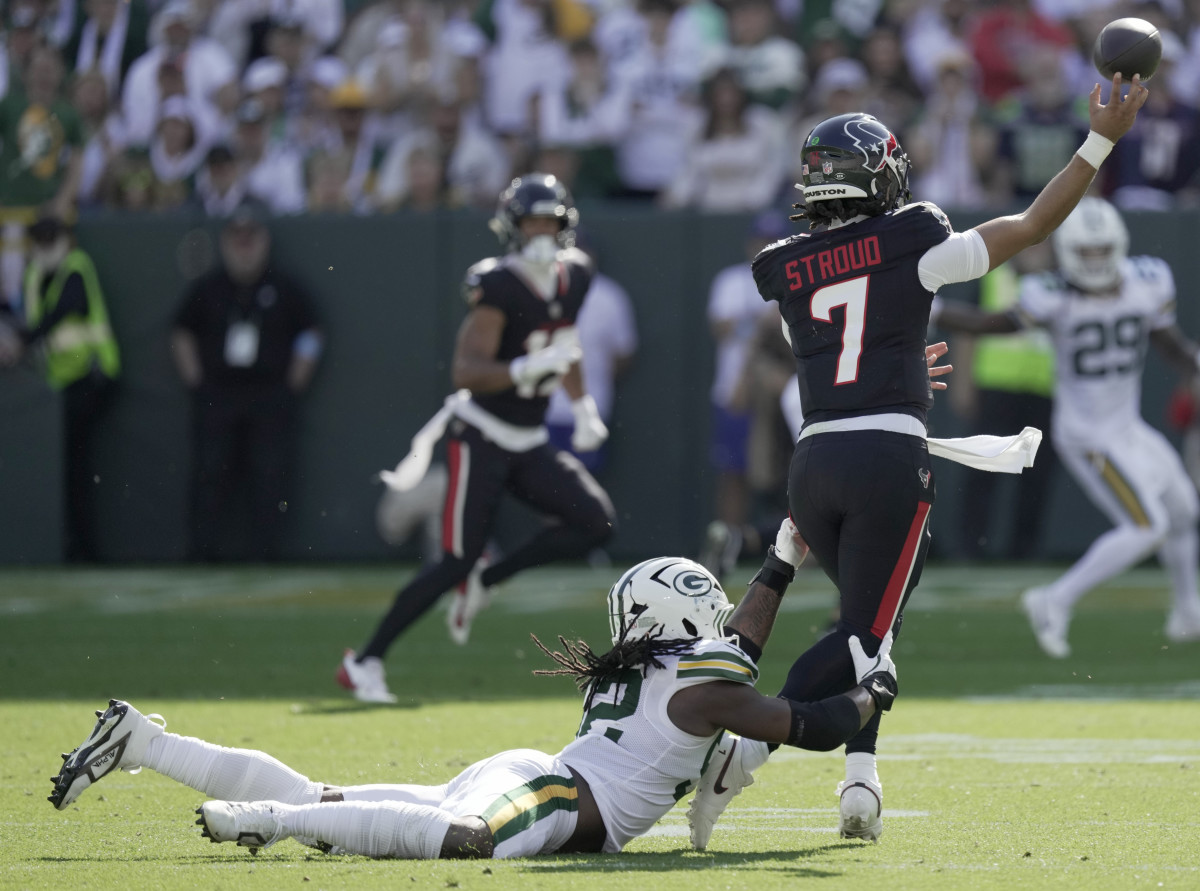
point(42, 137)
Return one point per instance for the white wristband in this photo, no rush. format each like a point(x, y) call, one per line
point(1095, 149)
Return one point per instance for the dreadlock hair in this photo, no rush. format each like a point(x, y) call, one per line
point(591, 671)
point(825, 213)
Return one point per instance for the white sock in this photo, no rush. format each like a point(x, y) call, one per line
point(372, 828)
point(860, 766)
point(1180, 554)
point(405, 794)
point(1112, 553)
point(228, 774)
point(754, 754)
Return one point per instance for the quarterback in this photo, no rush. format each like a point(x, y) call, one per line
point(1103, 310)
point(656, 705)
point(855, 293)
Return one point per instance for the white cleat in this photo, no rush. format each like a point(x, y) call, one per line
point(861, 809)
point(1183, 625)
point(118, 740)
point(252, 824)
point(469, 599)
point(364, 679)
point(1049, 622)
point(729, 772)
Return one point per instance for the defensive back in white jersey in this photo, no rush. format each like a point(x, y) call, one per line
point(655, 764)
point(1100, 343)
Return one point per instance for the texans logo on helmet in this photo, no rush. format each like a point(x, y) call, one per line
point(874, 140)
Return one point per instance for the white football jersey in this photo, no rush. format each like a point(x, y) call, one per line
point(636, 761)
point(1100, 345)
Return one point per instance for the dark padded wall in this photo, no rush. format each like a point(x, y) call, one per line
point(388, 291)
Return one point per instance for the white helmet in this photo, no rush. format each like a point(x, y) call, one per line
point(1091, 245)
point(674, 593)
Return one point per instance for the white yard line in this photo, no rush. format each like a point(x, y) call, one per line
point(1009, 750)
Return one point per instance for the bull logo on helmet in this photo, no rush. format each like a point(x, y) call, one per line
point(873, 140)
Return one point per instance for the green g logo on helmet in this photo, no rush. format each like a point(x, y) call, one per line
point(669, 597)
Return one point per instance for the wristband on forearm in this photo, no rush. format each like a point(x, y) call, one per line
point(776, 574)
point(1095, 149)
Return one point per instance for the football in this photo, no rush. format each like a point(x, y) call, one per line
point(1130, 46)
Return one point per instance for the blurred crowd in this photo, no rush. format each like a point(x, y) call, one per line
point(368, 107)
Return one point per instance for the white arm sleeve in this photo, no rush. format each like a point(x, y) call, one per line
point(787, 333)
point(960, 258)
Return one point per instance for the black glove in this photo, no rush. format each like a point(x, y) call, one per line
point(883, 689)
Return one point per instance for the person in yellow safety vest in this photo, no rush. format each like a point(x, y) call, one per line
point(65, 315)
point(1013, 378)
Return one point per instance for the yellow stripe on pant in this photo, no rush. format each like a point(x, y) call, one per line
point(525, 805)
point(1120, 487)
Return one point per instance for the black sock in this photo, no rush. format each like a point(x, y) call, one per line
point(552, 543)
point(413, 600)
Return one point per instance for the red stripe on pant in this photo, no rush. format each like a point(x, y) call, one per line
point(454, 459)
point(886, 617)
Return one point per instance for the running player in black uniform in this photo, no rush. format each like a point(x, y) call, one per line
point(515, 347)
point(855, 294)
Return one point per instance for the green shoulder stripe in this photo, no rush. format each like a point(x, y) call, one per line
point(723, 664)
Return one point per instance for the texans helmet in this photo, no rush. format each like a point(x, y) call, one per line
point(673, 594)
point(534, 195)
point(1091, 244)
point(854, 156)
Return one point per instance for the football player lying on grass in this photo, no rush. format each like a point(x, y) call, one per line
point(656, 706)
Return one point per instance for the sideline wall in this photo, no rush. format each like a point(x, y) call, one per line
point(388, 291)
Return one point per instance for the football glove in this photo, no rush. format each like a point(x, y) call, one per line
point(551, 361)
point(876, 674)
point(789, 546)
point(590, 431)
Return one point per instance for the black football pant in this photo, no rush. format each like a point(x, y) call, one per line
point(861, 501)
point(545, 478)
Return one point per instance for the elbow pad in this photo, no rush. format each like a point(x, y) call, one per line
point(823, 726)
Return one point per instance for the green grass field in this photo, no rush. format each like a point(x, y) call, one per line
point(1001, 767)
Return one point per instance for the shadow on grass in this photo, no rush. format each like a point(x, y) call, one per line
point(789, 862)
point(670, 861)
point(336, 707)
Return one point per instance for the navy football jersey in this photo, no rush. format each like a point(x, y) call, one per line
point(531, 323)
point(857, 311)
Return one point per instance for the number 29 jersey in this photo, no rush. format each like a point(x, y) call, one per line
point(1100, 346)
point(856, 311)
point(637, 762)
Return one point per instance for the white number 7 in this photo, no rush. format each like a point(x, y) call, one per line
point(851, 294)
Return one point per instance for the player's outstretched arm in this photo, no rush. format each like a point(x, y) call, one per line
point(1005, 237)
point(819, 726)
point(754, 616)
point(1179, 351)
point(955, 315)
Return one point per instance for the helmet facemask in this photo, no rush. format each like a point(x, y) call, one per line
point(1091, 246)
point(535, 195)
